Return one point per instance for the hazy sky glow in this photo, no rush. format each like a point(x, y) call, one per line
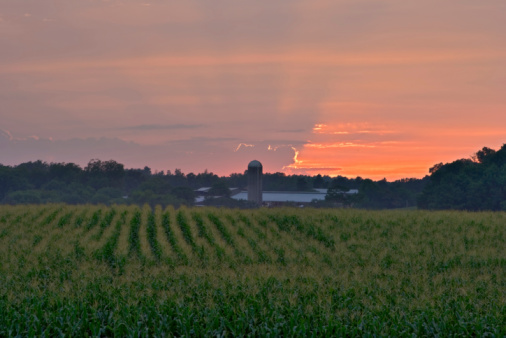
point(341, 87)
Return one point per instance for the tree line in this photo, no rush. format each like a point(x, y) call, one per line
point(477, 183)
point(109, 182)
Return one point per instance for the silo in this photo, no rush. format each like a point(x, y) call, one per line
point(255, 182)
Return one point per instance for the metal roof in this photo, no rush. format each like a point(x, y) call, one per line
point(284, 196)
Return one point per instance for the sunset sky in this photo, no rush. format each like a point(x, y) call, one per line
point(364, 88)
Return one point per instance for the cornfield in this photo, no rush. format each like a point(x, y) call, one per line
point(130, 271)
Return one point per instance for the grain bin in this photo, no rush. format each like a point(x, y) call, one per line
point(255, 182)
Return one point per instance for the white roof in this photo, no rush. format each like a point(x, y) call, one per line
point(284, 196)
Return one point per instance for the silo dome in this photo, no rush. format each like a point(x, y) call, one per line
point(255, 164)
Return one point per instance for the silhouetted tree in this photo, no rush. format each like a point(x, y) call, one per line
point(467, 184)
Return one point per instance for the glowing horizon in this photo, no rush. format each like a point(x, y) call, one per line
point(370, 89)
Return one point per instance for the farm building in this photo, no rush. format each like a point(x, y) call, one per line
point(254, 192)
point(274, 198)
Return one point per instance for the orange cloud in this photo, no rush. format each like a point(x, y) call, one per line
point(382, 153)
point(349, 128)
point(339, 145)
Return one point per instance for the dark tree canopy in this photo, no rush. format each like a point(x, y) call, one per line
point(468, 184)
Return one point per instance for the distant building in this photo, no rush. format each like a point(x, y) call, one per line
point(300, 198)
point(202, 193)
point(255, 182)
point(274, 197)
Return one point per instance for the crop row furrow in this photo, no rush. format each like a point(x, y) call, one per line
point(288, 223)
point(78, 222)
point(134, 246)
point(95, 218)
point(205, 233)
point(51, 217)
point(171, 238)
point(106, 222)
point(107, 252)
point(202, 230)
point(17, 220)
point(257, 250)
point(261, 236)
point(37, 215)
point(153, 242)
point(228, 238)
point(185, 228)
point(188, 236)
point(65, 219)
point(241, 241)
